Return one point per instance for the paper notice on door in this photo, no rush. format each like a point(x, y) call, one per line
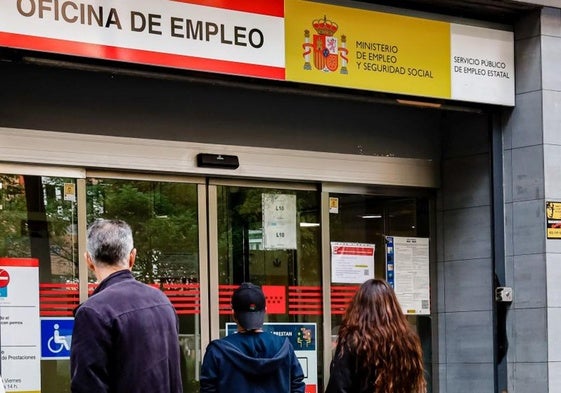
point(279, 221)
point(20, 325)
point(352, 263)
point(407, 271)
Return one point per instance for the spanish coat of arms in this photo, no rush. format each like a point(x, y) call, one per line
point(325, 47)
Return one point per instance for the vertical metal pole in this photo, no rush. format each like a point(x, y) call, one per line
point(213, 261)
point(203, 278)
point(82, 227)
point(326, 284)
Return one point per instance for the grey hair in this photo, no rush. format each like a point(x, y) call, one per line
point(109, 242)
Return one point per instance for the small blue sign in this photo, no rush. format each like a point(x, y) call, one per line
point(390, 263)
point(56, 336)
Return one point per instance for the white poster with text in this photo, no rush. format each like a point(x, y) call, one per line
point(279, 221)
point(20, 327)
point(352, 263)
point(407, 271)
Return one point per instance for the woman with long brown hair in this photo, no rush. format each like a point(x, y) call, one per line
point(377, 349)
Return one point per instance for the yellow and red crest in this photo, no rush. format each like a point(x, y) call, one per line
point(325, 47)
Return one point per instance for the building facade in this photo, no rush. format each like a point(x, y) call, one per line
point(229, 178)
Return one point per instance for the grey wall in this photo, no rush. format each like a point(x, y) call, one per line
point(112, 104)
point(532, 151)
point(551, 84)
point(464, 253)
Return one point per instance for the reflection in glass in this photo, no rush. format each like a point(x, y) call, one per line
point(38, 220)
point(164, 220)
point(368, 219)
point(289, 267)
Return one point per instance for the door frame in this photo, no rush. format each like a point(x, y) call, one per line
point(329, 188)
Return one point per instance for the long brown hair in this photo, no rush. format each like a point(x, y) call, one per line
point(388, 350)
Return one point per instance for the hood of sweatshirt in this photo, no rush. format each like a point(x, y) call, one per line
point(253, 365)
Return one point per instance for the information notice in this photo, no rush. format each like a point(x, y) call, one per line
point(279, 221)
point(352, 263)
point(20, 325)
point(553, 219)
point(407, 271)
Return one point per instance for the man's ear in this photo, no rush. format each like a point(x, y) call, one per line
point(132, 258)
point(89, 262)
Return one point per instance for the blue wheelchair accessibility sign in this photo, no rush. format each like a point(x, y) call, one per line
point(56, 336)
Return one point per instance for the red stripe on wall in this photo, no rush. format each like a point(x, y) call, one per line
point(19, 262)
point(139, 56)
point(263, 7)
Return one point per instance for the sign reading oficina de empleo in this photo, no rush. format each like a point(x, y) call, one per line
point(293, 40)
point(19, 324)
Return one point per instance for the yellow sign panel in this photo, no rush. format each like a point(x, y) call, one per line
point(69, 192)
point(346, 47)
point(333, 205)
point(553, 218)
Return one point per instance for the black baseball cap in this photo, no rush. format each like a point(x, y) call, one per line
point(248, 303)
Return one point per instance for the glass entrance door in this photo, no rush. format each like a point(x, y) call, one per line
point(270, 235)
point(165, 219)
point(364, 219)
point(38, 221)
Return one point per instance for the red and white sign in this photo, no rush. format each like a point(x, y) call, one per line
point(4, 278)
point(231, 37)
point(20, 327)
point(270, 39)
point(352, 263)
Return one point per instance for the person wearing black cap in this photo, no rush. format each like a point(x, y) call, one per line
point(251, 360)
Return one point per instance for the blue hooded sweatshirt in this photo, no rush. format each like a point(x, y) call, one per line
point(251, 362)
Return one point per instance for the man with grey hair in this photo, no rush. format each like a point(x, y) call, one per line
point(125, 336)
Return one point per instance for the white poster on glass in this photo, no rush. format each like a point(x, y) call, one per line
point(407, 271)
point(20, 325)
point(352, 263)
point(279, 221)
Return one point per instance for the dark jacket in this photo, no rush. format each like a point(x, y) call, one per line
point(251, 363)
point(345, 374)
point(125, 340)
